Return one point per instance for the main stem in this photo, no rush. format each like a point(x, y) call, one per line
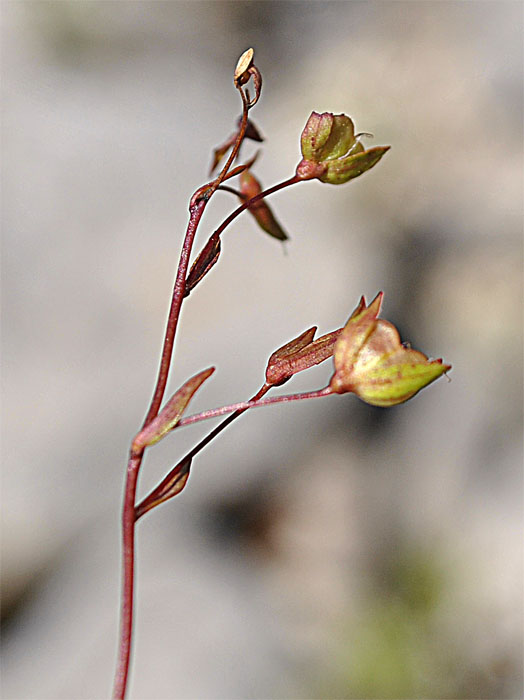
point(133, 467)
point(128, 567)
point(135, 461)
point(174, 311)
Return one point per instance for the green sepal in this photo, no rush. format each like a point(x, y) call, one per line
point(340, 171)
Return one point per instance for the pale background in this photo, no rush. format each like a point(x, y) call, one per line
point(323, 550)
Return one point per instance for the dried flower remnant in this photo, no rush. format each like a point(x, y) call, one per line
point(246, 69)
point(244, 63)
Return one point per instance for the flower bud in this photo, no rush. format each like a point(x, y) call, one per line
point(371, 361)
point(331, 152)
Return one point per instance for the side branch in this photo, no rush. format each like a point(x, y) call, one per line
point(242, 406)
point(245, 205)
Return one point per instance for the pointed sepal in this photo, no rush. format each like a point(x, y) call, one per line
point(342, 170)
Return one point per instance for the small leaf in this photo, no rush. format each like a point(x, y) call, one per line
point(240, 168)
point(298, 355)
point(169, 416)
point(250, 187)
point(207, 257)
point(252, 132)
point(170, 486)
point(220, 151)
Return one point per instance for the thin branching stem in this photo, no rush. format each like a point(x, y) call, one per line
point(242, 406)
point(245, 205)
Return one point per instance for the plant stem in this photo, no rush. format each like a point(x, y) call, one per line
point(240, 137)
point(242, 406)
point(226, 188)
point(133, 468)
point(128, 566)
point(135, 461)
point(174, 311)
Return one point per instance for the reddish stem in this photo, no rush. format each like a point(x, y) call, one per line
point(240, 137)
point(243, 405)
point(174, 312)
point(133, 468)
point(128, 566)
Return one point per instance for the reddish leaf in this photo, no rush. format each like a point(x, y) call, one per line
point(240, 168)
point(170, 486)
point(250, 187)
point(204, 262)
point(169, 416)
point(300, 354)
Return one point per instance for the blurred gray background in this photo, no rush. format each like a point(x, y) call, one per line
point(322, 550)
